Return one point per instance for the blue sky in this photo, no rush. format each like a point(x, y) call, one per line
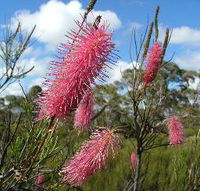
point(53, 18)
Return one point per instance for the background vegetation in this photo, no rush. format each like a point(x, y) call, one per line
point(29, 147)
point(165, 168)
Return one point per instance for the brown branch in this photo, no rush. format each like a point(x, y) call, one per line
point(100, 112)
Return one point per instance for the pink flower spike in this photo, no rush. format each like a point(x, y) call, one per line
point(175, 127)
point(82, 62)
point(84, 112)
point(92, 156)
point(40, 179)
point(134, 160)
point(153, 62)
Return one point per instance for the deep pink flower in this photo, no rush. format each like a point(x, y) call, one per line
point(153, 62)
point(134, 160)
point(92, 156)
point(84, 112)
point(83, 60)
point(40, 179)
point(175, 127)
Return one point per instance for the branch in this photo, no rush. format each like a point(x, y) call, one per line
point(23, 74)
point(100, 112)
point(10, 141)
point(12, 47)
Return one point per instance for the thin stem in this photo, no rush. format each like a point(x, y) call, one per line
point(40, 146)
point(138, 169)
point(156, 23)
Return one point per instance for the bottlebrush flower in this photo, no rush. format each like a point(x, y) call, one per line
point(175, 127)
point(83, 60)
point(84, 112)
point(92, 156)
point(134, 160)
point(40, 179)
point(153, 60)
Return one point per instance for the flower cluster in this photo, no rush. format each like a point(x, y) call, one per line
point(83, 60)
point(40, 179)
point(84, 112)
point(92, 156)
point(134, 160)
point(153, 62)
point(175, 127)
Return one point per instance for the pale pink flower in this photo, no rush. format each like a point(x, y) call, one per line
point(84, 112)
point(40, 179)
point(92, 156)
point(83, 60)
point(153, 62)
point(134, 160)
point(175, 127)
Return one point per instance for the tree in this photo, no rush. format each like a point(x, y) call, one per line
point(12, 46)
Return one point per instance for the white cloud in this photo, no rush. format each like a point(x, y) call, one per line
point(40, 65)
point(108, 17)
point(33, 51)
point(162, 29)
point(35, 77)
point(190, 60)
point(186, 35)
point(132, 26)
point(36, 81)
point(183, 35)
point(13, 89)
point(116, 73)
point(55, 18)
point(136, 25)
point(194, 84)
